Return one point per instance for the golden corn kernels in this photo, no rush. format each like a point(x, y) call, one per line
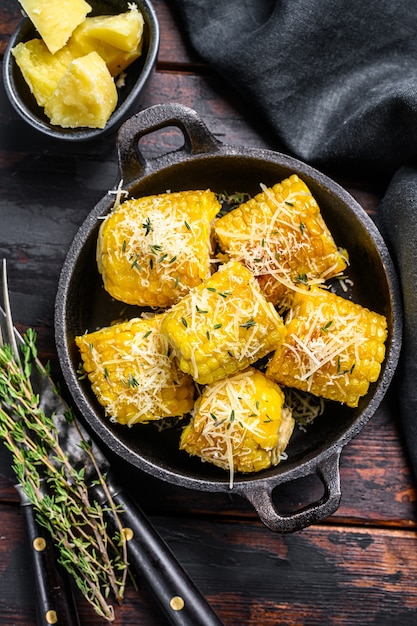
point(133, 373)
point(239, 424)
point(152, 250)
point(334, 348)
point(282, 238)
point(223, 325)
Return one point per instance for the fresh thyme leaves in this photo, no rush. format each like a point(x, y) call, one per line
point(58, 490)
point(249, 324)
point(301, 279)
point(231, 200)
point(326, 327)
point(135, 263)
point(147, 225)
point(132, 382)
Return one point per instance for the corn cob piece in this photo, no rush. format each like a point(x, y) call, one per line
point(152, 250)
point(282, 238)
point(223, 325)
point(133, 373)
point(334, 347)
point(240, 424)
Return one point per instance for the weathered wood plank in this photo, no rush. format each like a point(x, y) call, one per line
point(323, 575)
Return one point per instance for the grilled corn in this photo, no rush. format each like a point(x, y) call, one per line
point(152, 250)
point(239, 424)
point(281, 237)
point(133, 373)
point(334, 348)
point(223, 325)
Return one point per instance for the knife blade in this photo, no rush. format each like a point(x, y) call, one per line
point(178, 597)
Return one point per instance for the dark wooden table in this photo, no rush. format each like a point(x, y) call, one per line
point(357, 567)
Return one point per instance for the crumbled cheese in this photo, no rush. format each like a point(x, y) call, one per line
point(266, 252)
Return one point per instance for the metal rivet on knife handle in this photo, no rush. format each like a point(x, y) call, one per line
point(51, 617)
point(128, 534)
point(177, 603)
point(39, 544)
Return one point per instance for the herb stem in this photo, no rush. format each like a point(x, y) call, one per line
point(57, 490)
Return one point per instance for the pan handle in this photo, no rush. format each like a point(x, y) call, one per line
point(197, 138)
point(261, 499)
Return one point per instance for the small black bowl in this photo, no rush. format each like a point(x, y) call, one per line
point(137, 74)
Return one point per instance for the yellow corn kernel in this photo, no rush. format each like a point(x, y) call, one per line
point(133, 373)
point(334, 348)
point(281, 237)
point(239, 424)
point(223, 325)
point(152, 250)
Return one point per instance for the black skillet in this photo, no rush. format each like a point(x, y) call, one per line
point(81, 304)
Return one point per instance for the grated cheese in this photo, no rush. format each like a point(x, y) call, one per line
point(135, 375)
point(240, 332)
point(240, 424)
point(276, 244)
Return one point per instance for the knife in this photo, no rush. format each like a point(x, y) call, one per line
point(177, 595)
point(55, 602)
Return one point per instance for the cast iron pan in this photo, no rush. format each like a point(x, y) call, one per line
point(82, 304)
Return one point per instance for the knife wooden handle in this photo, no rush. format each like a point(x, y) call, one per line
point(177, 595)
point(54, 600)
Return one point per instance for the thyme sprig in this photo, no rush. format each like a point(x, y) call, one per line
point(58, 491)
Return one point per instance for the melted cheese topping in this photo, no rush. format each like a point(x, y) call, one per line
point(152, 250)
